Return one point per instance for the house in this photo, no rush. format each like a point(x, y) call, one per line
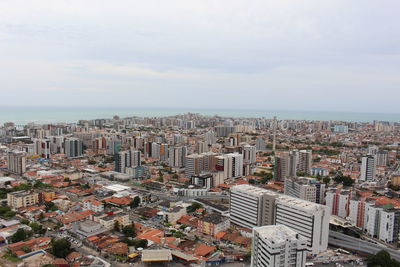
point(24, 247)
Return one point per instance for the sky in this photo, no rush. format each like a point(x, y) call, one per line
point(329, 55)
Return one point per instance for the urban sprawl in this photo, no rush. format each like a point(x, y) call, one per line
point(199, 190)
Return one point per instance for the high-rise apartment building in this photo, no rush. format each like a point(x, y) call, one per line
point(339, 202)
point(368, 165)
point(127, 159)
point(231, 164)
point(278, 246)
point(309, 219)
point(382, 158)
point(260, 144)
point(309, 189)
point(252, 206)
point(285, 166)
point(249, 154)
point(73, 147)
point(16, 162)
point(177, 156)
point(304, 161)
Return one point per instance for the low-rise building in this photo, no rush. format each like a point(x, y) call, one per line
point(22, 199)
point(108, 221)
point(213, 224)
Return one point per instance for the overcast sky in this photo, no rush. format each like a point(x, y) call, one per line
point(330, 55)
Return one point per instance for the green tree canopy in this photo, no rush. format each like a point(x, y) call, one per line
point(129, 231)
point(135, 202)
point(60, 248)
point(19, 235)
point(382, 259)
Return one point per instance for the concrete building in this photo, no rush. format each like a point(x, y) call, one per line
point(304, 161)
point(213, 224)
point(249, 154)
point(278, 246)
point(338, 202)
point(310, 220)
point(73, 148)
point(194, 165)
point(305, 188)
point(260, 144)
point(285, 165)
point(21, 199)
point(252, 206)
point(109, 221)
point(231, 164)
point(382, 222)
point(357, 211)
point(94, 205)
point(381, 158)
point(177, 156)
point(16, 162)
point(368, 165)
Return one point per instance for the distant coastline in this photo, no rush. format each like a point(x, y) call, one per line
point(24, 115)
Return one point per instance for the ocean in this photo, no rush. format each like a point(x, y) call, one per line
point(24, 115)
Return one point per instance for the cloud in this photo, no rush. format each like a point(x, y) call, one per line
point(326, 55)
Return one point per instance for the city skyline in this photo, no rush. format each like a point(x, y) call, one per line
point(285, 55)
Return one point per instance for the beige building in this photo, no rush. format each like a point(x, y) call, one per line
point(109, 221)
point(22, 199)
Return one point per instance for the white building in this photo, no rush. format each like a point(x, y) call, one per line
point(308, 219)
point(278, 246)
point(382, 223)
point(251, 206)
point(249, 154)
point(338, 202)
point(94, 205)
point(305, 188)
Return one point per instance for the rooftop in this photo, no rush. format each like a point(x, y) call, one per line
point(277, 233)
point(156, 255)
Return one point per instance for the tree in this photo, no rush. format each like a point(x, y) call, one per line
point(9, 214)
point(19, 235)
point(129, 231)
point(37, 228)
point(60, 248)
point(25, 221)
point(179, 234)
point(382, 259)
point(345, 180)
point(326, 180)
point(116, 226)
point(175, 176)
point(252, 181)
point(135, 202)
point(194, 207)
